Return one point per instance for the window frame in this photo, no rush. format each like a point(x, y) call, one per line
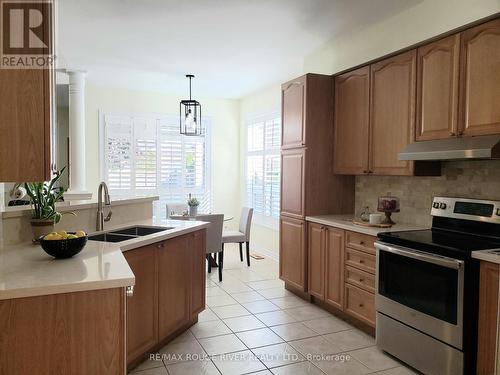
point(259, 218)
point(158, 118)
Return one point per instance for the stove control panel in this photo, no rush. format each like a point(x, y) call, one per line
point(468, 209)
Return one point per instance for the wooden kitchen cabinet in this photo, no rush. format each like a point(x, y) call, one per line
point(293, 96)
point(488, 318)
point(169, 292)
point(351, 122)
point(197, 247)
point(437, 89)
point(293, 182)
point(480, 80)
point(142, 306)
point(334, 263)
point(316, 260)
point(76, 333)
point(392, 113)
point(293, 259)
point(326, 265)
point(174, 285)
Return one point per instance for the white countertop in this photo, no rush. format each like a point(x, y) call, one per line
point(27, 271)
point(345, 222)
point(487, 255)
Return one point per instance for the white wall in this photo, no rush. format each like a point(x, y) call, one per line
point(263, 239)
point(225, 136)
point(425, 20)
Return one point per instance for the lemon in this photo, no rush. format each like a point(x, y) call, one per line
point(81, 233)
point(70, 236)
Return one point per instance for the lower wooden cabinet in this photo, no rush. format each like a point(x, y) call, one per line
point(293, 259)
point(341, 270)
point(78, 333)
point(168, 294)
point(488, 318)
point(142, 307)
point(174, 285)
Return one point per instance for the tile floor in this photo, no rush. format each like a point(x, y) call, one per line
point(253, 325)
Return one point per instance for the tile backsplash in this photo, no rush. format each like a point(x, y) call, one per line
point(478, 179)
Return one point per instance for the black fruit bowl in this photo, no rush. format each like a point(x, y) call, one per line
point(64, 248)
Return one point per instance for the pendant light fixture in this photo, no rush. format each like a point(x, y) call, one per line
point(190, 114)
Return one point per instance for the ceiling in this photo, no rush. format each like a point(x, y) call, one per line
point(235, 47)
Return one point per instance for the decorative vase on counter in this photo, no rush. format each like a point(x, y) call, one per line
point(193, 210)
point(41, 227)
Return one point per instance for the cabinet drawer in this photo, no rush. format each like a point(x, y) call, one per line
point(361, 279)
point(359, 241)
point(360, 260)
point(360, 304)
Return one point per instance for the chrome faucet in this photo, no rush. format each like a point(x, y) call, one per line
point(107, 201)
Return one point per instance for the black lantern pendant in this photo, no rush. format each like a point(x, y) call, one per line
point(190, 114)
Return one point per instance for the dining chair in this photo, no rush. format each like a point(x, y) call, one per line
point(176, 208)
point(242, 235)
point(214, 239)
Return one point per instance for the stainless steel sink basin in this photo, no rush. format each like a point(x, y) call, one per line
point(110, 237)
point(140, 230)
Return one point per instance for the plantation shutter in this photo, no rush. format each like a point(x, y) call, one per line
point(263, 166)
point(145, 155)
point(118, 150)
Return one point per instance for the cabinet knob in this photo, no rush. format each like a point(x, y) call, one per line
point(362, 243)
point(361, 305)
point(361, 280)
point(129, 291)
point(361, 261)
point(366, 171)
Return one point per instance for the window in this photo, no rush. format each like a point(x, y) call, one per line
point(263, 165)
point(146, 155)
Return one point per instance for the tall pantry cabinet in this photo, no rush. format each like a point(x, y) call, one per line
point(308, 185)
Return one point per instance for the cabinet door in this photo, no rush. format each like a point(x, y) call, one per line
point(142, 307)
point(316, 260)
point(198, 246)
point(293, 95)
point(488, 318)
point(334, 261)
point(437, 89)
point(392, 113)
point(174, 285)
point(292, 252)
point(480, 110)
point(24, 125)
point(351, 114)
point(292, 182)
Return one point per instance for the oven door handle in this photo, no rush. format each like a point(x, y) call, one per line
point(420, 255)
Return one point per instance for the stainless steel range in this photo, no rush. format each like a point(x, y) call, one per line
point(428, 286)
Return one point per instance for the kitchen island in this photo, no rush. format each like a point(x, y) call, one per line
point(74, 315)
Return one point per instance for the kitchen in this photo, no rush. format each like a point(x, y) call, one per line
point(377, 233)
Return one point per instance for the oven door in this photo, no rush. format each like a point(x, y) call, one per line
point(422, 290)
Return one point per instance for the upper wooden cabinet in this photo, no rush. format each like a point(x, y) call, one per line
point(351, 119)
point(293, 112)
point(437, 89)
point(392, 113)
point(25, 113)
point(480, 81)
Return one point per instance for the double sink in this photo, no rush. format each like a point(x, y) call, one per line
point(125, 234)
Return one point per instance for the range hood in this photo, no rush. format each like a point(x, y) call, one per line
point(483, 147)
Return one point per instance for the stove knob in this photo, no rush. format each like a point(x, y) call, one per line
point(435, 205)
point(498, 212)
point(442, 206)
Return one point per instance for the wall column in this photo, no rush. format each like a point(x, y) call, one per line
point(77, 169)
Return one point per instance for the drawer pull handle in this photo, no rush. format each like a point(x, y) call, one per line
point(129, 291)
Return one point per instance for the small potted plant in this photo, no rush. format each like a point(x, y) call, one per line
point(193, 204)
point(43, 196)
